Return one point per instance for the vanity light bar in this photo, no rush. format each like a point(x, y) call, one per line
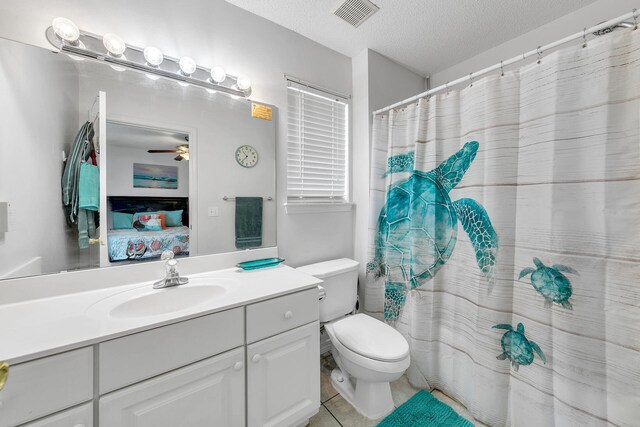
point(90, 46)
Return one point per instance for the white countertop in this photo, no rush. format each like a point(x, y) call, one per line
point(42, 327)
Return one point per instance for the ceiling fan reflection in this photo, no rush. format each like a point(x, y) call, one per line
point(182, 152)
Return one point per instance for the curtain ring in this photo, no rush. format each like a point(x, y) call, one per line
point(471, 79)
point(446, 86)
point(635, 19)
point(584, 37)
point(501, 69)
point(539, 54)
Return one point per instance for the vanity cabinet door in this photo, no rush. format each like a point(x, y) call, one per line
point(283, 378)
point(207, 393)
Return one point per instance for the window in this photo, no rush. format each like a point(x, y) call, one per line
point(317, 150)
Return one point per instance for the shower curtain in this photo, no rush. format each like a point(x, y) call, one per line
point(504, 238)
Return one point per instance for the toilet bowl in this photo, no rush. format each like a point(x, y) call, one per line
point(369, 353)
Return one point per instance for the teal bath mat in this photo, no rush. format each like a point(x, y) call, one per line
point(424, 410)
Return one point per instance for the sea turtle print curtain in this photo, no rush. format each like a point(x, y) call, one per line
point(504, 238)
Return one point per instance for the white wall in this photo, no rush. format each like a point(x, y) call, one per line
point(215, 32)
point(120, 162)
point(599, 11)
point(377, 82)
point(38, 119)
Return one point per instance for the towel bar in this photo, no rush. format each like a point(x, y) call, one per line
point(229, 199)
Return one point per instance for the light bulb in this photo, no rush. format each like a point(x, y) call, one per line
point(187, 65)
point(218, 74)
point(118, 67)
point(114, 44)
point(243, 83)
point(66, 29)
point(153, 56)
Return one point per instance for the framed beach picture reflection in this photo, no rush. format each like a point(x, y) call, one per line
point(155, 176)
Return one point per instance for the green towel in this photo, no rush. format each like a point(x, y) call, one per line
point(424, 410)
point(88, 202)
point(248, 222)
point(89, 187)
point(86, 227)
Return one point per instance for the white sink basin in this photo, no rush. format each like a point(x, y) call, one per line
point(148, 302)
point(168, 300)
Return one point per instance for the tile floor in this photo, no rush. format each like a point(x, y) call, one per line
point(336, 412)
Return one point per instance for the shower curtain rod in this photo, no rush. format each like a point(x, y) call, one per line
point(502, 64)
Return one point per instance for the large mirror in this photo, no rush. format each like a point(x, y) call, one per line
point(103, 167)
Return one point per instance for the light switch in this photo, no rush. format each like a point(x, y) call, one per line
point(213, 211)
point(4, 217)
point(8, 216)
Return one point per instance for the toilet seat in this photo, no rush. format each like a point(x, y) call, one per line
point(371, 338)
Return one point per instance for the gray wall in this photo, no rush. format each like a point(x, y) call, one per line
point(215, 32)
point(38, 121)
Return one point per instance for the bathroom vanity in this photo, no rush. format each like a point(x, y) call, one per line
point(231, 348)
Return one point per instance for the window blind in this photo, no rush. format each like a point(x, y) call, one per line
point(317, 147)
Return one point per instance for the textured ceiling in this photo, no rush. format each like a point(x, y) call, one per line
point(426, 36)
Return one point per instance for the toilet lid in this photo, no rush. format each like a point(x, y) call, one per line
point(371, 338)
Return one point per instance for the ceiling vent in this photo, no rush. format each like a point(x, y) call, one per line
point(355, 12)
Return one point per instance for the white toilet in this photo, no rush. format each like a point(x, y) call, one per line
point(369, 353)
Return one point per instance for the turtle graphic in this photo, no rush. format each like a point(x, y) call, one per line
point(551, 283)
point(516, 347)
point(417, 229)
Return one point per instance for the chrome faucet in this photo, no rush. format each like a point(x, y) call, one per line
point(173, 277)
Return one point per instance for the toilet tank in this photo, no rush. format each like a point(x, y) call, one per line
point(340, 277)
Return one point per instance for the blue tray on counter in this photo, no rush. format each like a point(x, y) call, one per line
point(259, 263)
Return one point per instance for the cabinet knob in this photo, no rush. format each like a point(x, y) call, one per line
point(4, 374)
point(256, 358)
point(288, 315)
point(237, 366)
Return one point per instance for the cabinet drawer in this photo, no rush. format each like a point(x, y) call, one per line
point(136, 357)
point(277, 315)
point(82, 416)
point(47, 385)
point(207, 393)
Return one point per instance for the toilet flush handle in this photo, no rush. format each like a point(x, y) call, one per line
point(321, 293)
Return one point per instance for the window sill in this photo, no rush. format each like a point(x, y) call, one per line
point(294, 208)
